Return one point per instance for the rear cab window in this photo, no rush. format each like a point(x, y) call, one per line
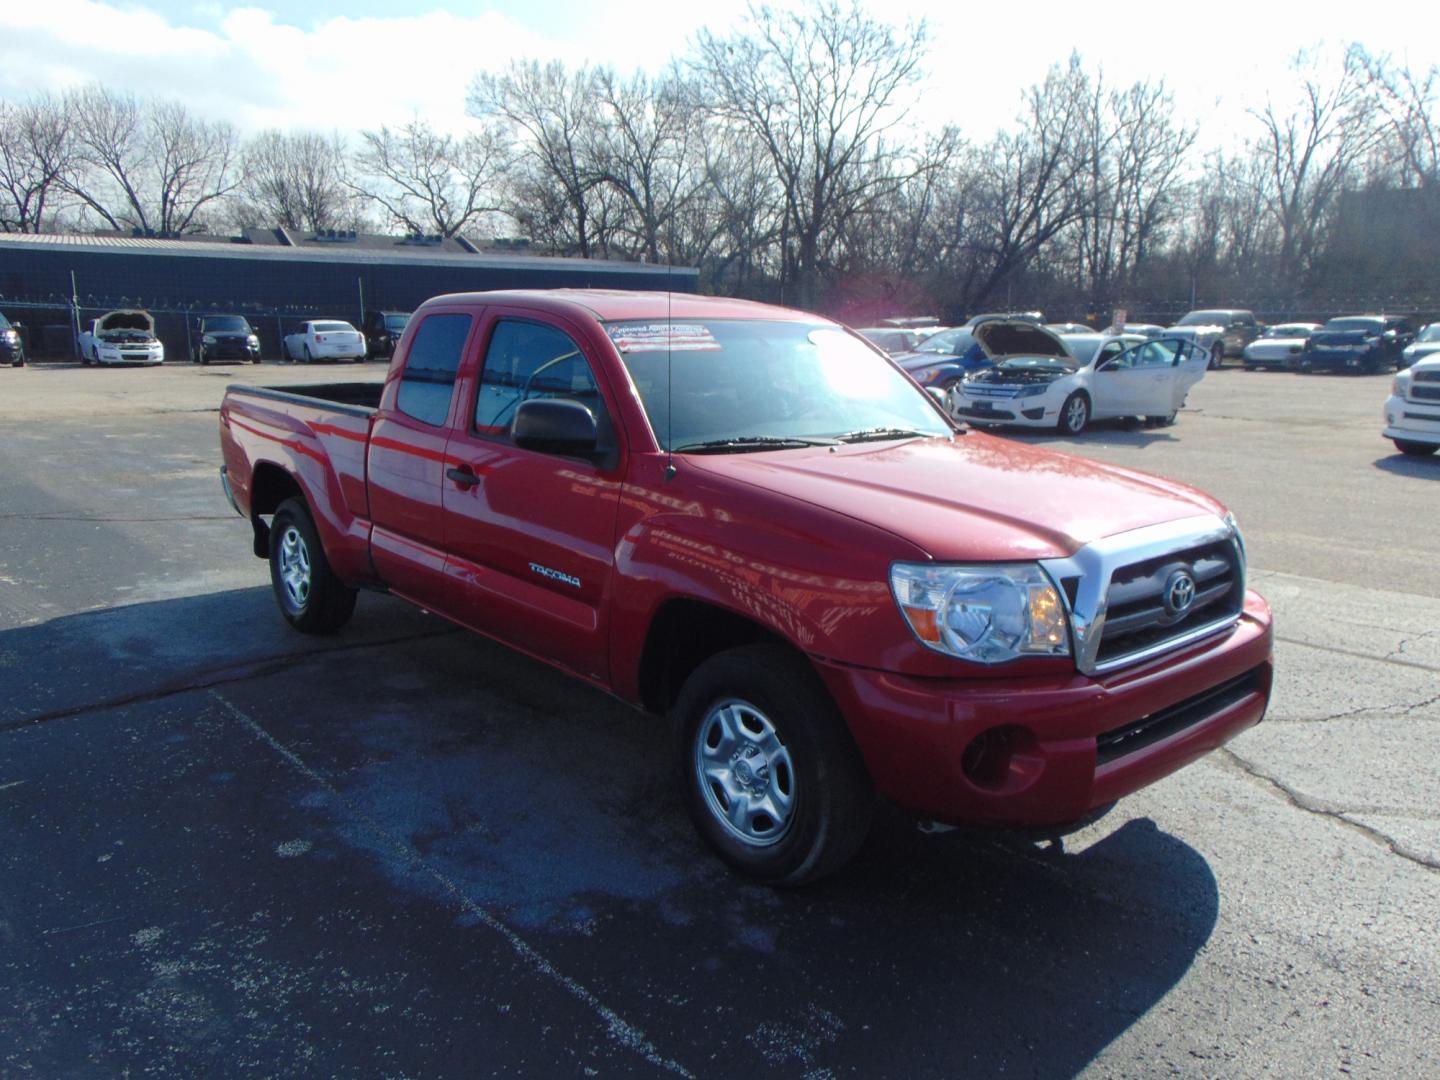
point(428, 380)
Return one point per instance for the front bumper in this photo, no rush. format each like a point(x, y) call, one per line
point(1412, 421)
point(1034, 411)
point(1058, 746)
point(1338, 359)
point(152, 355)
point(231, 350)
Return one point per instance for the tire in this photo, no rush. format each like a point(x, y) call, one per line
point(764, 703)
point(1217, 355)
point(1074, 414)
point(1414, 449)
point(1250, 367)
point(312, 599)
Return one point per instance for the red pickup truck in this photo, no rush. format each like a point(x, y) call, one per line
point(750, 521)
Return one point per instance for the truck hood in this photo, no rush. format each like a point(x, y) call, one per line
point(976, 498)
point(1343, 337)
point(1193, 333)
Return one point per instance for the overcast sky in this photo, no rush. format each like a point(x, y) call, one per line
point(348, 66)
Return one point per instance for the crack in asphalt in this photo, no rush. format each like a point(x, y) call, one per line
point(1354, 654)
point(220, 675)
point(621, 1030)
point(1361, 710)
point(1320, 808)
point(1395, 652)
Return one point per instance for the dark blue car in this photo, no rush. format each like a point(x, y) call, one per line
point(943, 359)
point(1357, 343)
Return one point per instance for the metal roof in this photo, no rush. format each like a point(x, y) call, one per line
point(340, 253)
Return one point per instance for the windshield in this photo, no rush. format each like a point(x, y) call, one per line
point(1370, 326)
point(1288, 330)
point(1037, 363)
point(1083, 346)
point(226, 324)
point(1429, 333)
point(947, 342)
point(333, 327)
point(396, 322)
point(1205, 318)
point(759, 380)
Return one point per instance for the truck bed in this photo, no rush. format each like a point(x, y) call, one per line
point(354, 397)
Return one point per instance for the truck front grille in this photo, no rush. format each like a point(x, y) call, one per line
point(1137, 614)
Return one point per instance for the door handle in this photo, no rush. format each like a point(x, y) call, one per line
point(464, 476)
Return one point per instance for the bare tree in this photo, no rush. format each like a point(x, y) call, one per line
point(821, 91)
point(430, 182)
point(1310, 150)
point(1408, 105)
point(34, 150)
point(297, 180)
point(552, 113)
point(149, 165)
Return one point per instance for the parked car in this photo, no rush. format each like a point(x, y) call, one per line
point(943, 359)
point(1412, 412)
point(121, 337)
point(743, 519)
point(892, 339)
point(1222, 332)
point(1070, 328)
point(1356, 343)
point(1145, 329)
point(1426, 343)
point(225, 337)
point(324, 339)
point(12, 346)
point(382, 333)
point(1039, 381)
point(1278, 347)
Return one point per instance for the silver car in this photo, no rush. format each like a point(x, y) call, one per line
point(1278, 346)
point(1425, 345)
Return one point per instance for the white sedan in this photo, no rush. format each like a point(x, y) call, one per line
point(1040, 380)
point(1279, 346)
point(121, 337)
point(325, 339)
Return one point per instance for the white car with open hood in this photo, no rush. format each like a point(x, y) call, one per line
point(121, 337)
point(1042, 380)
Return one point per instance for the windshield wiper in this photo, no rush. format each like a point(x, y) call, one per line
point(750, 442)
point(875, 434)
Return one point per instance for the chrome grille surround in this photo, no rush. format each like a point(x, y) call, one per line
point(1085, 577)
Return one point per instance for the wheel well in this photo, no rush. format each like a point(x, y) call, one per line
point(683, 635)
point(270, 486)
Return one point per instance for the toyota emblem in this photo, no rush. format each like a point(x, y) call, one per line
point(1179, 592)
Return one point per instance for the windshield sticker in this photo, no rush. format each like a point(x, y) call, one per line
point(662, 337)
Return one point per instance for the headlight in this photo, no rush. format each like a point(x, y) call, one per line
point(986, 613)
point(1400, 385)
point(208, 339)
point(253, 339)
point(1033, 391)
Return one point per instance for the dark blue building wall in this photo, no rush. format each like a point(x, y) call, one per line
point(276, 291)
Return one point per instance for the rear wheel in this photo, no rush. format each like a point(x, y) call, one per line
point(1414, 449)
point(311, 597)
point(1074, 414)
point(772, 779)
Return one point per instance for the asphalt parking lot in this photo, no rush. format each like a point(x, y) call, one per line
point(406, 851)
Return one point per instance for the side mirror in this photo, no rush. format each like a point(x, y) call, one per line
point(555, 426)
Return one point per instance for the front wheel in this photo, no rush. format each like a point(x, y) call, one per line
point(1414, 449)
point(772, 779)
point(311, 597)
point(1074, 414)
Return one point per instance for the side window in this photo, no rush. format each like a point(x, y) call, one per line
point(528, 360)
point(429, 374)
point(1113, 355)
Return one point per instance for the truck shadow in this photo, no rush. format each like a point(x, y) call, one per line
point(450, 782)
point(1398, 464)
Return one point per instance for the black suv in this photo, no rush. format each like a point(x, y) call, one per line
point(12, 346)
point(1357, 343)
point(382, 333)
point(225, 337)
